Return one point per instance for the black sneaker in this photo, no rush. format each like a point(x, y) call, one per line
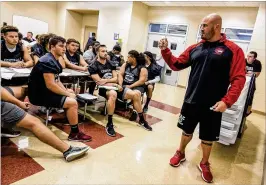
point(133, 116)
point(9, 132)
point(110, 130)
point(145, 109)
point(75, 152)
point(145, 125)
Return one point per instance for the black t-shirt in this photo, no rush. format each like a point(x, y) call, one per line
point(254, 67)
point(38, 50)
point(153, 71)
point(75, 59)
point(103, 70)
point(8, 56)
point(131, 74)
point(36, 85)
point(115, 60)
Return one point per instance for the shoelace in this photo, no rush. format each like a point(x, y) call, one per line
point(178, 153)
point(206, 166)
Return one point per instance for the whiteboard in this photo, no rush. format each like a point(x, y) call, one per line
point(26, 24)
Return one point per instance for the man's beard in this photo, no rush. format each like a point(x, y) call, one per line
point(209, 35)
point(103, 58)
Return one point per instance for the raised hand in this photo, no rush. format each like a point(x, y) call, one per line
point(163, 43)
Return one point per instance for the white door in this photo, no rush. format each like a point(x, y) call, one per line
point(177, 45)
point(153, 47)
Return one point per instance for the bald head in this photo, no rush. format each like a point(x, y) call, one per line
point(211, 27)
point(214, 19)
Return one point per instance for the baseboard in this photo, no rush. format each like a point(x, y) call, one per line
point(181, 86)
point(259, 112)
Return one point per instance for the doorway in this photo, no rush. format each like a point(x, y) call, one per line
point(87, 33)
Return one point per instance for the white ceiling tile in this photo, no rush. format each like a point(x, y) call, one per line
point(212, 3)
point(234, 4)
point(202, 3)
point(187, 3)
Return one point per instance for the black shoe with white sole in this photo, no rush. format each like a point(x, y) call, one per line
point(110, 129)
point(144, 124)
point(5, 132)
point(75, 152)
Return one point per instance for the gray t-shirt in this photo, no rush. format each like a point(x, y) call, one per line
point(88, 56)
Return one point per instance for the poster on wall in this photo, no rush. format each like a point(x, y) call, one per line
point(116, 36)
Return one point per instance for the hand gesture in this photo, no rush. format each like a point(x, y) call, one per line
point(163, 43)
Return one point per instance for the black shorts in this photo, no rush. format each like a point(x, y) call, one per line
point(210, 121)
point(121, 95)
point(14, 82)
point(49, 100)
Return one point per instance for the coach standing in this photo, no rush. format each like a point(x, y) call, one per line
point(215, 64)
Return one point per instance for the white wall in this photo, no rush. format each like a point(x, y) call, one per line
point(138, 27)
point(258, 44)
point(114, 21)
point(43, 11)
point(73, 26)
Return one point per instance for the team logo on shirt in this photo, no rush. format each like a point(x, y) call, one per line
point(129, 78)
point(248, 68)
point(219, 51)
point(107, 76)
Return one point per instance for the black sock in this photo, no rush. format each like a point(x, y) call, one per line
point(141, 117)
point(75, 128)
point(147, 102)
point(110, 119)
point(67, 150)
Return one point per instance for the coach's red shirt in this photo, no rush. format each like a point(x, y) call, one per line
point(214, 65)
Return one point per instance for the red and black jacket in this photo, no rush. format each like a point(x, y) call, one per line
point(214, 66)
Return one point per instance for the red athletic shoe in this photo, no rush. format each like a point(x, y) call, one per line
point(79, 137)
point(176, 160)
point(206, 173)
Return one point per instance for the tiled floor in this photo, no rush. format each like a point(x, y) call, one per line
point(136, 156)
